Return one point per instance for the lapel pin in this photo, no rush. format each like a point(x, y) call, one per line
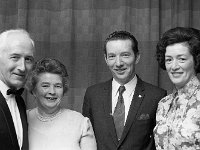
point(140, 96)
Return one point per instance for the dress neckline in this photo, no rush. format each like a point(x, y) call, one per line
point(47, 118)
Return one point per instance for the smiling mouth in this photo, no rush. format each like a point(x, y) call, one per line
point(20, 75)
point(120, 70)
point(51, 98)
point(176, 73)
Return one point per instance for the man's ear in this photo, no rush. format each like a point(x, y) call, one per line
point(137, 59)
point(105, 57)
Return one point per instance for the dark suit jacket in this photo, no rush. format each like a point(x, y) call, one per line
point(8, 137)
point(138, 130)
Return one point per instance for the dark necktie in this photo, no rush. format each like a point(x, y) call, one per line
point(15, 92)
point(119, 113)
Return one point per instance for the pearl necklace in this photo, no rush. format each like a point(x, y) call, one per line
point(47, 118)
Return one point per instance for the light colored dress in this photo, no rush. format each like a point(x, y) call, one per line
point(68, 130)
point(178, 119)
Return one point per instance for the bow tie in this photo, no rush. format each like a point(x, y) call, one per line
point(15, 92)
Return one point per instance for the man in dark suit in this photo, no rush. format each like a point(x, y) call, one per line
point(123, 109)
point(16, 61)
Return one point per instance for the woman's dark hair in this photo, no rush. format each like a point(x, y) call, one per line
point(47, 65)
point(190, 36)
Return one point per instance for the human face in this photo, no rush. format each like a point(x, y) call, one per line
point(121, 60)
point(16, 60)
point(179, 64)
point(48, 92)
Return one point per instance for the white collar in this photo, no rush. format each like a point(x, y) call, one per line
point(130, 86)
point(3, 89)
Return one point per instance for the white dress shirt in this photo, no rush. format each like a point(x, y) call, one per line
point(12, 105)
point(127, 94)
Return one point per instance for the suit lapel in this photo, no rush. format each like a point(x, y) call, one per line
point(22, 110)
point(8, 120)
point(107, 95)
point(135, 105)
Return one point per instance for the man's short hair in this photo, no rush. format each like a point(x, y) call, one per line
point(122, 35)
point(4, 36)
